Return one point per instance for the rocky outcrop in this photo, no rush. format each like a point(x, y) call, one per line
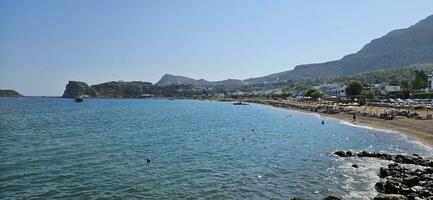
point(402, 159)
point(399, 182)
point(116, 89)
point(121, 89)
point(77, 88)
point(9, 93)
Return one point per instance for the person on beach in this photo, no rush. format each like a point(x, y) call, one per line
point(354, 117)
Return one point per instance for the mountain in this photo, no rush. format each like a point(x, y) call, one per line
point(10, 93)
point(398, 48)
point(402, 47)
point(169, 79)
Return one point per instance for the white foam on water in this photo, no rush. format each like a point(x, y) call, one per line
point(359, 183)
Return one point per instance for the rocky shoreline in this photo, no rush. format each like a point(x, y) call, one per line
point(399, 182)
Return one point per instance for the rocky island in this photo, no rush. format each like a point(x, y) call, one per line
point(118, 89)
point(10, 93)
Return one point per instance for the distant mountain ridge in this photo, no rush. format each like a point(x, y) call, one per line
point(398, 48)
point(169, 79)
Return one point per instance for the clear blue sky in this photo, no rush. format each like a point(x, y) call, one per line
point(43, 44)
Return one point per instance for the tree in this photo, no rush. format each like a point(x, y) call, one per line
point(354, 88)
point(420, 81)
point(313, 93)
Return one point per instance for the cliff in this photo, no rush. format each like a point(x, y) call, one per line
point(113, 89)
point(76, 88)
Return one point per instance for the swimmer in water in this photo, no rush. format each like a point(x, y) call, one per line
point(323, 122)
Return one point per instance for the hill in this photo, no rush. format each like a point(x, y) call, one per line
point(413, 45)
point(10, 93)
point(169, 79)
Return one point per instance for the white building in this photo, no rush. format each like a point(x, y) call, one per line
point(385, 88)
point(391, 88)
point(430, 82)
point(331, 90)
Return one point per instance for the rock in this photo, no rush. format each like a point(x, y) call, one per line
point(380, 187)
point(390, 197)
point(349, 153)
point(330, 197)
point(76, 88)
point(417, 188)
point(411, 181)
point(392, 187)
point(383, 172)
point(355, 166)
point(341, 153)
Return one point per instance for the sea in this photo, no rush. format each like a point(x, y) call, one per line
point(54, 148)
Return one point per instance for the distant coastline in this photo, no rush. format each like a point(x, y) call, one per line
point(10, 93)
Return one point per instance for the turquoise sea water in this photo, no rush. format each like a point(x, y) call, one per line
point(55, 148)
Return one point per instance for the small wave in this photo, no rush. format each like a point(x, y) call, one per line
point(411, 140)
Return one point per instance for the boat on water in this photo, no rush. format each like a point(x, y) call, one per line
point(240, 103)
point(79, 99)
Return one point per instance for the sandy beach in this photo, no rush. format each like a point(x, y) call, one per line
point(420, 130)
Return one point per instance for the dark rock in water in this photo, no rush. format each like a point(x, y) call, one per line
point(383, 172)
point(330, 197)
point(341, 153)
point(403, 159)
point(380, 187)
point(355, 166)
point(392, 187)
point(390, 197)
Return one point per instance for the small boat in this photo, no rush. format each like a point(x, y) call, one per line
point(240, 103)
point(79, 99)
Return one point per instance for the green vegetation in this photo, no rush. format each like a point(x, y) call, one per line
point(420, 80)
point(403, 76)
point(313, 93)
point(354, 88)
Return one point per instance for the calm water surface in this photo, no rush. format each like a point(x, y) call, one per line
point(55, 148)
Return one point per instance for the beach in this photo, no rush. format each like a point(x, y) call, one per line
point(420, 130)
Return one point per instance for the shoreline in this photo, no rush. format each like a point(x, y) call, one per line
point(418, 130)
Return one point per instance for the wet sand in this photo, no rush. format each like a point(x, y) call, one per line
point(421, 130)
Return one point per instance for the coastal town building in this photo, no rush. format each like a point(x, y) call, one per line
point(331, 89)
point(385, 88)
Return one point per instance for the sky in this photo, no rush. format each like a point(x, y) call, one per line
point(46, 43)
